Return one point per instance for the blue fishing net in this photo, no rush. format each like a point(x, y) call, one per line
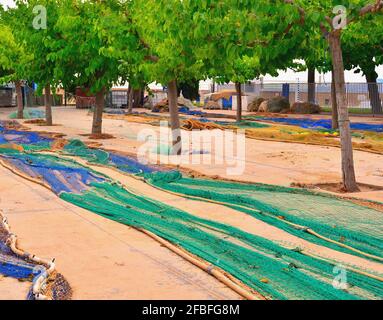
point(20, 270)
point(20, 137)
point(187, 111)
point(61, 174)
point(322, 124)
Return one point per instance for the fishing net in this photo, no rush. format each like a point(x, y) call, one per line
point(124, 163)
point(340, 220)
point(14, 267)
point(27, 140)
point(60, 174)
point(29, 114)
point(274, 271)
point(319, 123)
point(22, 269)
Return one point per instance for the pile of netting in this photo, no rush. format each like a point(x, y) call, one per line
point(29, 113)
point(23, 269)
point(350, 225)
point(319, 123)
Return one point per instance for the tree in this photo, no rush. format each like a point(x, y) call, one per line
point(318, 12)
point(14, 60)
point(95, 37)
point(33, 23)
point(189, 89)
point(314, 51)
point(363, 51)
point(167, 31)
point(244, 40)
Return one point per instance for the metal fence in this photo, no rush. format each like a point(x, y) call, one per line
point(30, 99)
point(7, 97)
point(360, 96)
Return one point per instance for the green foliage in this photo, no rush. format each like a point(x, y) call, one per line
point(37, 42)
point(242, 40)
point(167, 31)
point(363, 44)
point(94, 37)
point(13, 56)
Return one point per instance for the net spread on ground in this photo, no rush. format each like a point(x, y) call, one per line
point(269, 268)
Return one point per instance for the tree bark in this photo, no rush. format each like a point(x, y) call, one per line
point(48, 106)
point(98, 110)
point(174, 118)
point(311, 85)
point(348, 170)
point(138, 97)
point(373, 91)
point(239, 101)
point(130, 100)
point(19, 100)
point(334, 104)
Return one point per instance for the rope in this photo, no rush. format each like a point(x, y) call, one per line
point(42, 278)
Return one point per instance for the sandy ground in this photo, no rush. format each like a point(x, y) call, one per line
point(263, 161)
point(12, 289)
point(115, 262)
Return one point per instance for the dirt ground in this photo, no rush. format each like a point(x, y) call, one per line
point(264, 161)
point(104, 260)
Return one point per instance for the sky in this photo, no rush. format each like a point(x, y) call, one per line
point(290, 75)
point(7, 2)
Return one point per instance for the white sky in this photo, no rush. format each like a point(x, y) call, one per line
point(7, 2)
point(289, 75)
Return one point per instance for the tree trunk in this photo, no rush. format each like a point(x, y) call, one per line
point(373, 91)
point(130, 100)
point(48, 106)
point(334, 104)
point(174, 118)
point(138, 97)
point(311, 85)
point(239, 101)
point(348, 170)
point(98, 110)
point(19, 100)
